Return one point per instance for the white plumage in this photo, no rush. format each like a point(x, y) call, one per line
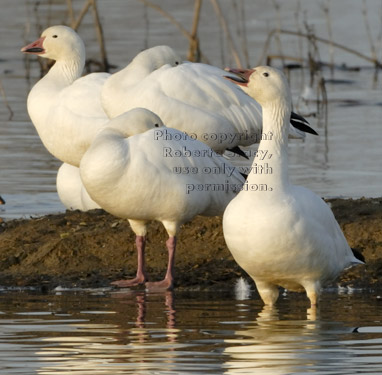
point(67, 112)
point(281, 234)
point(71, 190)
point(191, 97)
point(140, 170)
point(65, 109)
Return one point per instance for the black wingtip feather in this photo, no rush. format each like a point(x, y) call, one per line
point(301, 123)
point(358, 255)
point(237, 150)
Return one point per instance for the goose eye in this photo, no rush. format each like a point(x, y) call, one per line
point(176, 62)
point(55, 36)
point(266, 74)
point(156, 125)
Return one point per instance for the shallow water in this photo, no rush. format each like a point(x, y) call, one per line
point(345, 163)
point(105, 332)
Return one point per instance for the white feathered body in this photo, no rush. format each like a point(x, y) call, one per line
point(64, 107)
point(279, 233)
point(133, 178)
point(287, 240)
point(71, 191)
point(194, 98)
point(67, 117)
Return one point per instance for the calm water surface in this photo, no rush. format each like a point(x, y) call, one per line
point(102, 332)
point(344, 162)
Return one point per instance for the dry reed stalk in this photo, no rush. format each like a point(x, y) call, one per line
point(300, 45)
point(192, 38)
point(146, 27)
point(368, 31)
point(70, 11)
point(296, 59)
point(194, 48)
point(245, 39)
point(298, 27)
point(313, 55)
point(224, 26)
point(277, 34)
point(242, 32)
point(377, 63)
point(322, 114)
point(378, 41)
point(75, 23)
point(2, 91)
point(43, 63)
point(325, 9)
point(100, 37)
point(169, 17)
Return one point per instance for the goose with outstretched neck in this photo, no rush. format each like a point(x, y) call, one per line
point(279, 233)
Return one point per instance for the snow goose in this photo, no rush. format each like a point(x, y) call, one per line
point(281, 234)
point(65, 109)
point(71, 190)
point(140, 170)
point(191, 97)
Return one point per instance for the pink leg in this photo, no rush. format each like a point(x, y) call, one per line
point(168, 282)
point(141, 277)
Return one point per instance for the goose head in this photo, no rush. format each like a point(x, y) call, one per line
point(135, 121)
point(155, 57)
point(268, 86)
point(264, 84)
point(57, 43)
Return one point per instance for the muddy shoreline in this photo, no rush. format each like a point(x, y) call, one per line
point(91, 249)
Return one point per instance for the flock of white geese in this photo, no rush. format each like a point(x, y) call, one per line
point(146, 143)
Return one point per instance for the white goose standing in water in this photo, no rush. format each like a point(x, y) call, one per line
point(281, 234)
point(139, 170)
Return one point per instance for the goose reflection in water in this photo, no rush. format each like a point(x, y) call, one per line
point(140, 345)
point(275, 344)
point(142, 329)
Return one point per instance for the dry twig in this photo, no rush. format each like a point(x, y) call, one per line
point(75, 23)
point(377, 63)
point(194, 53)
point(2, 91)
point(194, 48)
point(224, 26)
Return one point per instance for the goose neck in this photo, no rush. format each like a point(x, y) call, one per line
point(67, 71)
point(270, 166)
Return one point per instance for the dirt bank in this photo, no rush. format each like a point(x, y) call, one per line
point(94, 248)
